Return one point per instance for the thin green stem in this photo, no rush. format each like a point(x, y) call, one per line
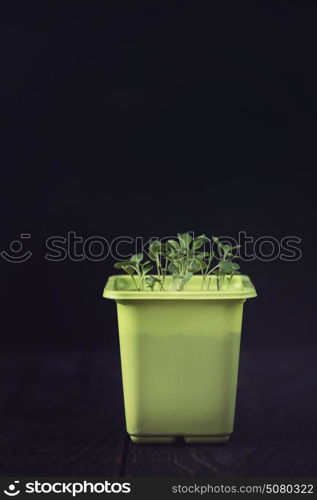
point(164, 275)
point(135, 283)
point(211, 270)
point(158, 267)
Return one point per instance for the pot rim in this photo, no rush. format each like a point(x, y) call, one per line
point(240, 287)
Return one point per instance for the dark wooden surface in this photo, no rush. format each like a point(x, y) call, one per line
point(62, 414)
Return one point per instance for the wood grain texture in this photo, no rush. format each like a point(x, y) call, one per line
point(61, 415)
point(275, 430)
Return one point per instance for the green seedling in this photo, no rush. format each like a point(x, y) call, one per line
point(182, 258)
point(156, 252)
point(151, 281)
point(225, 267)
point(135, 266)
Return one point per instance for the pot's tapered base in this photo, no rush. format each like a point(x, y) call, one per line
point(172, 439)
point(152, 439)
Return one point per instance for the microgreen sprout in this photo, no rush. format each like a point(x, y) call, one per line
point(135, 266)
point(150, 281)
point(181, 258)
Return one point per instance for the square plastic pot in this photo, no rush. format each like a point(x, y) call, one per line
point(179, 358)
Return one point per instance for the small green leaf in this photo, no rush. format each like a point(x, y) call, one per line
point(171, 255)
point(136, 257)
point(118, 265)
point(202, 238)
point(172, 268)
point(226, 248)
point(202, 255)
point(126, 266)
point(227, 267)
point(154, 249)
point(199, 241)
point(187, 277)
point(147, 269)
point(194, 266)
point(184, 239)
point(151, 280)
point(197, 244)
point(121, 265)
point(173, 244)
point(129, 269)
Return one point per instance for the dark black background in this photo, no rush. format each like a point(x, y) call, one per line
point(147, 120)
point(128, 119)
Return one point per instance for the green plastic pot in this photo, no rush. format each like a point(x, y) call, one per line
point(179, 358)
